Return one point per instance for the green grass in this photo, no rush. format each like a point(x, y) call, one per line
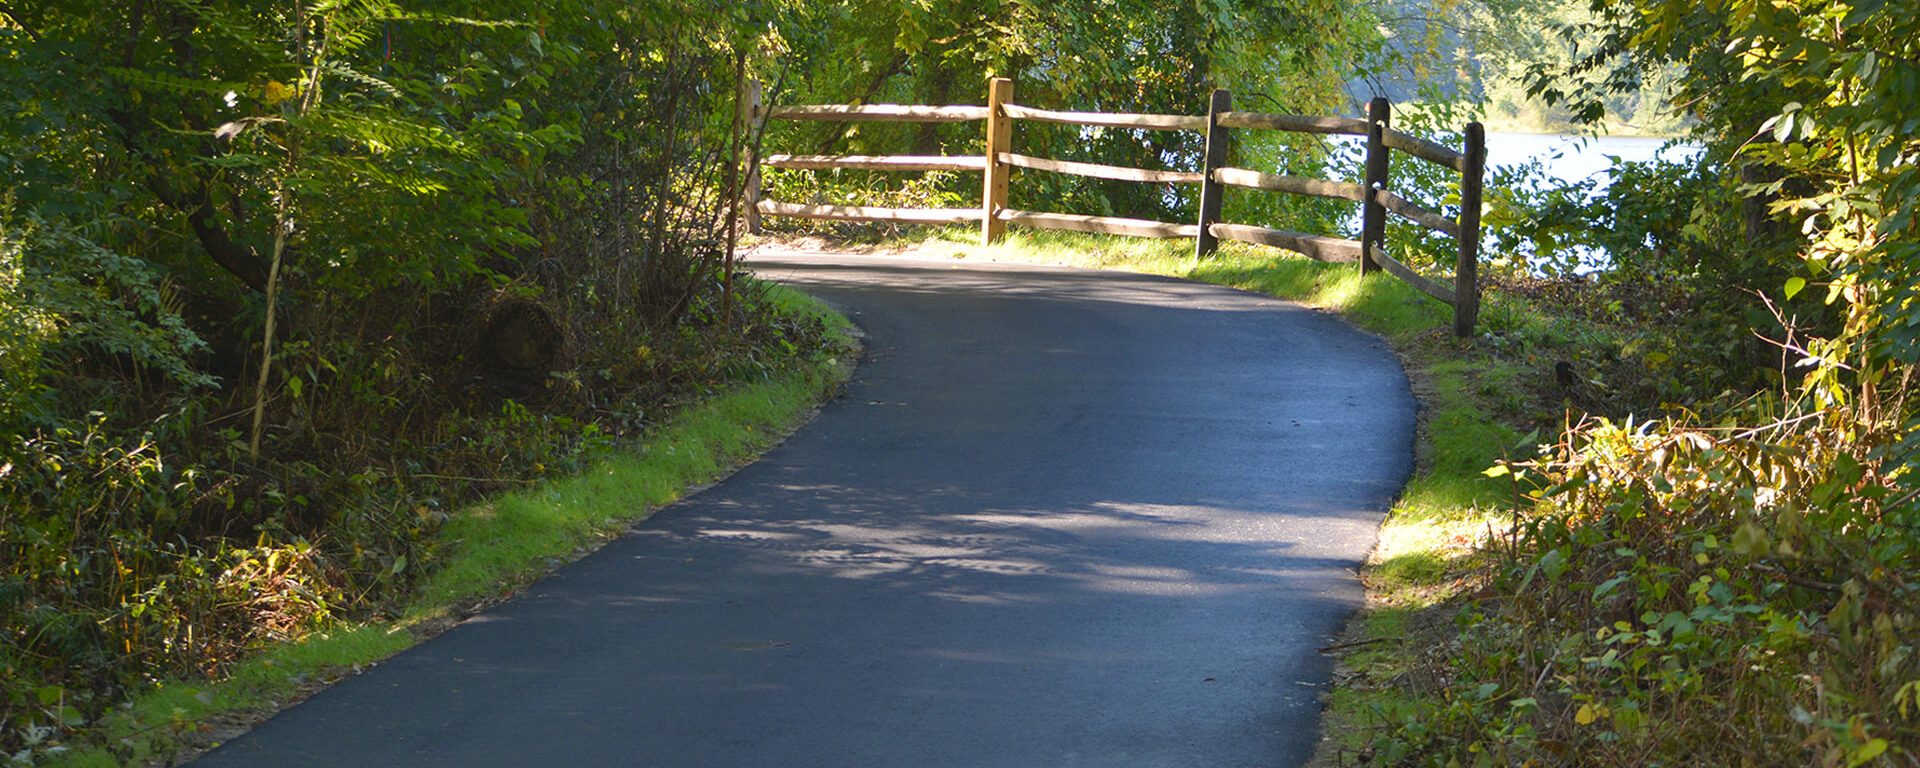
point(1379, 303)
point(489, 550)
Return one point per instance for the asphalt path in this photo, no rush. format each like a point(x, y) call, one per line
point(1058, 518)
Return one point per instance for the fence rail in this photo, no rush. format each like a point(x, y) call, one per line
point(1425, 150)
point(878, 162)
point(1240, 177)
point(884, 113)
point(1374, 194)
point(1097, 171)
point(868, 213)
point(1317, 247)
point(1338, 126)
point(1108, 119)
point(1416, 214)
point(1104, 225)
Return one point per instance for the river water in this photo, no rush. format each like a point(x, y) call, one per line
point(1574, 158)
point(1566, 158)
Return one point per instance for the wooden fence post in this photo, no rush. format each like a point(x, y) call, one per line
point(993, 194)
point(1466, 277)
point(1373, 215)
point(1218, 139)
point(754, 119)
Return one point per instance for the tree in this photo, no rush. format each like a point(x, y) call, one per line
point(1129, 56)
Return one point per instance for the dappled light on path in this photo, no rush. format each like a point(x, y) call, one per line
point(1056, 518)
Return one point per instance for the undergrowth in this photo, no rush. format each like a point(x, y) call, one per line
point(1683, 594)
point(187, 612)
point(487, 550)
point(288, 285)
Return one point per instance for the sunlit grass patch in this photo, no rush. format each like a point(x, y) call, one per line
point(1379, 302)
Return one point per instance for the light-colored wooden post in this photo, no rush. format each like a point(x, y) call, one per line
point(1466, 272)
point(1218, 139)
point(755, 119)
point(1373, 215)
point(736, 195)
point(993, 194)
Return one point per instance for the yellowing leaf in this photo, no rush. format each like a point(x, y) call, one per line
point(1867, 751)
point(1586, 715)
point(275, 92)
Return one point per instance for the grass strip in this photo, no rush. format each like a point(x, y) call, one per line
point(492, 549)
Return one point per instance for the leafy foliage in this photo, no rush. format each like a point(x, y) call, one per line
point(1699, 591)
point(395, 174)
point(1735, 585)
point(1128, 56)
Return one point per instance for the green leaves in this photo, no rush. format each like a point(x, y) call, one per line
point(1704, 572)
point(173, 84)
point(154, 150)
point(1865, 753)
point(82, 296)
point(1114, 55)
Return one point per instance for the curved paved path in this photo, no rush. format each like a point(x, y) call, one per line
point(1059, 518)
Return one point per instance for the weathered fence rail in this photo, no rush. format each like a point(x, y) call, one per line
point(1375, 193)
point(878, 163)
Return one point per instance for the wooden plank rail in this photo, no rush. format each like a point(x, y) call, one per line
point(1317, 247)
point(1415, 213)
point(1425, 150)
point(1241, 177)
point(1108, 119)
point(1105, 225)
point(1426, 285)
point(886, 113)
point(878, 162)
point(863, 213)
point(1343, 126)
point(1375, 195)
point(1097, 171)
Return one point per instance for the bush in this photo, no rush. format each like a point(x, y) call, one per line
point(500, 253)
point(1728, 595)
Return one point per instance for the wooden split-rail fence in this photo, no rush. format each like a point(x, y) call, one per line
point(1375, 194)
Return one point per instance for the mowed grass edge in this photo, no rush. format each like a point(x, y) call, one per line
point(492, 550)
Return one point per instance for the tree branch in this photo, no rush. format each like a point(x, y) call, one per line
point(879, 79)
point(196, 203)
point(8, 11)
